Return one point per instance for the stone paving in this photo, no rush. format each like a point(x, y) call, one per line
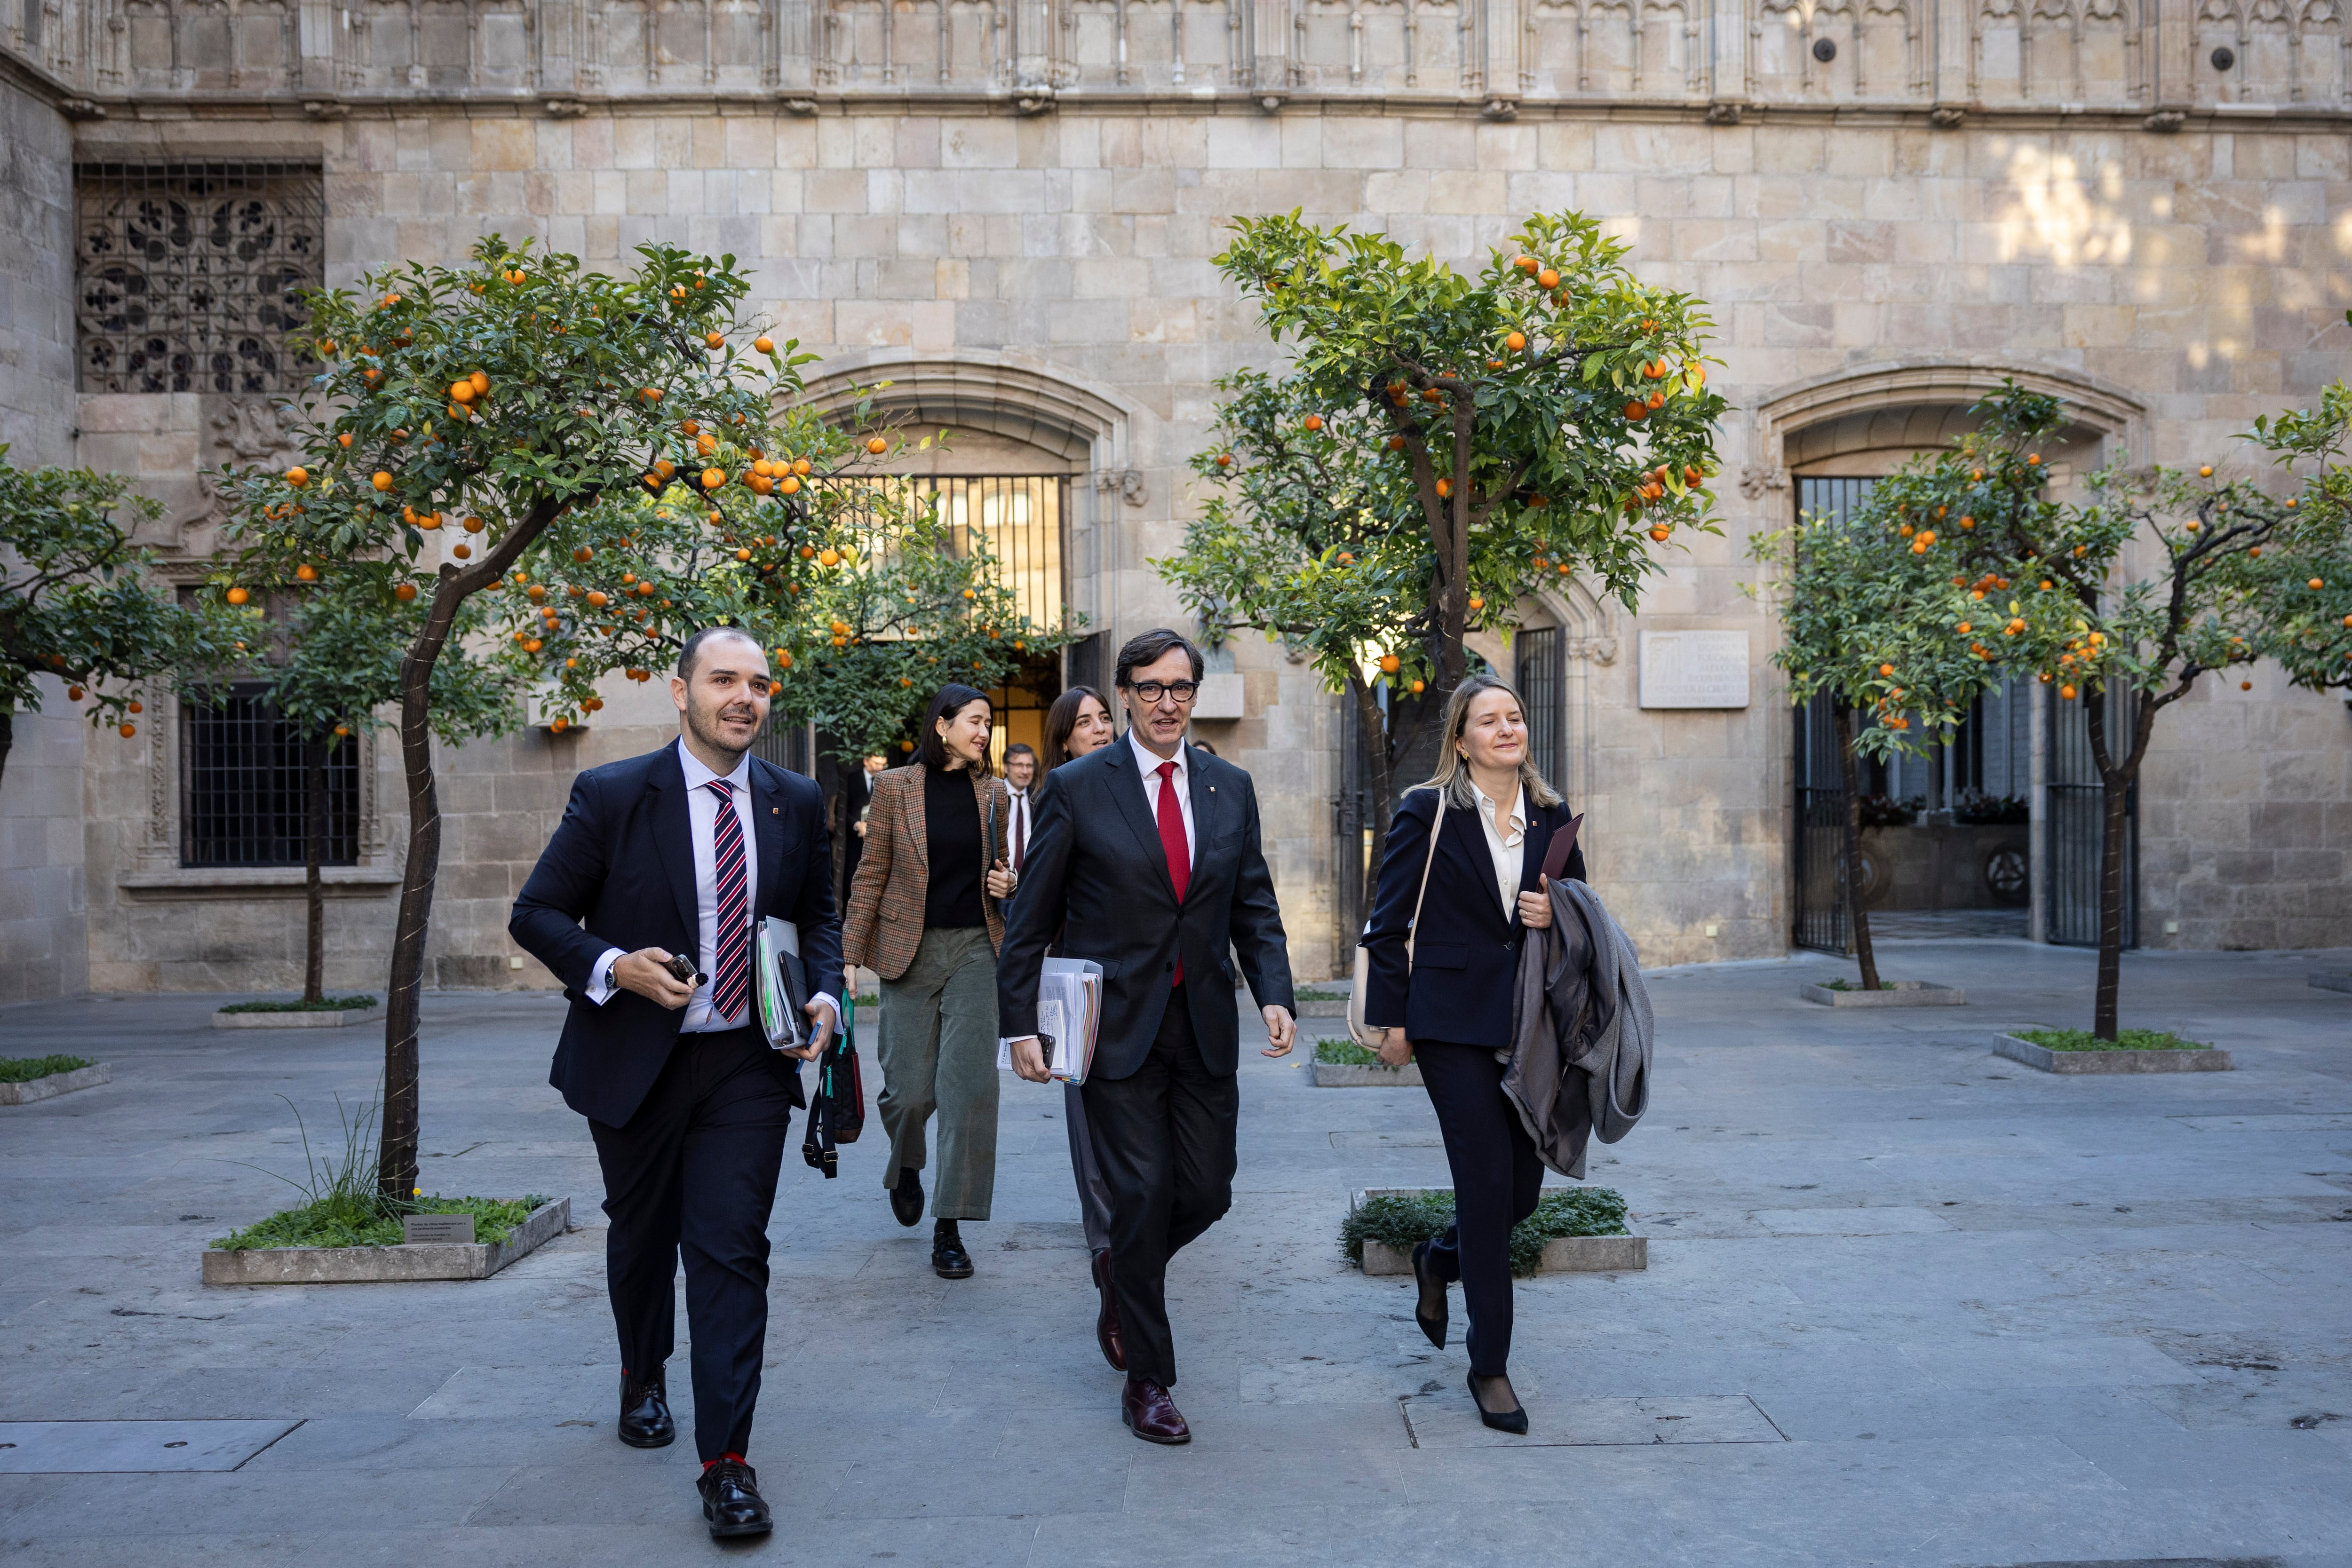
point(1908, 1302)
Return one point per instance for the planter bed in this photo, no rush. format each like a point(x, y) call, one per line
point(301, 1017)
point(1347, 1075)
point(49, 1085)
point(362, 1265)
point(1895, 994)
point(1323, 1006)
point(1561, 1254)
point(2333, 982)
point(2195, 1059)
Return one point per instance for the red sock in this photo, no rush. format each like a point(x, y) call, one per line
point(723, 1458)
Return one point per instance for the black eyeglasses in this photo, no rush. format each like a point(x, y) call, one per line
point(1150, 691)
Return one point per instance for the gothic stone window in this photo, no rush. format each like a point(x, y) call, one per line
point(189, 275)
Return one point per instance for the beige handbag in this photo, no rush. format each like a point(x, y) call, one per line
point(1362, 1033)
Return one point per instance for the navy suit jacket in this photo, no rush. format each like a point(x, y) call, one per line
point(619, 872)
point(1096, 878)
point(1467, 958)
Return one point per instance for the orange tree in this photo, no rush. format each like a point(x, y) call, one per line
point(1867, 607)
point(891, 604)
point(1546, 416)
point(2303, 582)
point(76, 601)
point(332, 666)
point(2124, 600)
point(601, 458)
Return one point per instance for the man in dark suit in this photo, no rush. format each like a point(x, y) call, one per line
point(684, 851)
point(1145, 858)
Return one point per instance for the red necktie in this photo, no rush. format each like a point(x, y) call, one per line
point(1172, 840)
point(730, 985)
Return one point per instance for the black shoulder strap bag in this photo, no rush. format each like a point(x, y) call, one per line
point(836, 1112)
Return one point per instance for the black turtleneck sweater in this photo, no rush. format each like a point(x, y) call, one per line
point(952, 899)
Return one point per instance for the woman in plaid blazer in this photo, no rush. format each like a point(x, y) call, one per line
point(925, 914)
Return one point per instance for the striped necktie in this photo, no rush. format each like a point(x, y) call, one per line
point(730, 983)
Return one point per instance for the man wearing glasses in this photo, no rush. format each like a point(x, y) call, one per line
point(1145, 858)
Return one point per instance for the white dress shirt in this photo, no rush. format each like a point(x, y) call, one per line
point(702, 806)
point(1509, 848)
point(1182, 781)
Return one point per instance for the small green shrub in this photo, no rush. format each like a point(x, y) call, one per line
point(1404, 1222)
point(2126, 1039)
point(1344, 1052)
point(25, 1069)
point(367, 1220)
point(1312, 993)
point(325, 1005)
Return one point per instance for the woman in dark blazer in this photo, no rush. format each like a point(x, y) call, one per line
point(1449, 1003)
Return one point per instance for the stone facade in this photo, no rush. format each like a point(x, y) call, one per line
point(1010, 212)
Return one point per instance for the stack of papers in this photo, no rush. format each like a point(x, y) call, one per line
point(1069, 1016)
point(782, 985)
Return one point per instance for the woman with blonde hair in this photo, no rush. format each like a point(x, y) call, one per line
point(1464, 900)
point(925, 914)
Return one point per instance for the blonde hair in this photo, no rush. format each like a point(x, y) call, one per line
point(1452, 774)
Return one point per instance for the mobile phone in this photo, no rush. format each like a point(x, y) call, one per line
point(682, 969)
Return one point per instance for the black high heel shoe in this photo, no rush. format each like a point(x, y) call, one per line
point(1430, 1312)
point(1514, 1420)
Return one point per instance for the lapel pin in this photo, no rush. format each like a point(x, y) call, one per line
point(775, 810)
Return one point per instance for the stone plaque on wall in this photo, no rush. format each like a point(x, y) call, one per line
point(1695, 669)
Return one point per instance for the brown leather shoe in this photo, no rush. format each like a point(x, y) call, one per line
point(1150, 1415)
point(1107, 1334)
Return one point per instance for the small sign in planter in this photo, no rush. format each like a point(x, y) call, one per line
point(2328, 982)
point(294, 1015)
point(1561, 1254)
point(70, 1073)
point(2188, 1058)
point(402, 1263)
point(1891, 994)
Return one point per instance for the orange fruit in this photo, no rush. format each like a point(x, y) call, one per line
point(1314, 422)
point(651, 394)
point(405, 592)
point(381, 480)
point(238, 595)
point(1657, 400)
point(1526, 264)
point(136, 707)
point(1637, 411)
point(2316, 582)
point(306, 573)
point(1225, 459)
point(764, 345)
point(1416, 688)
point(462, 551)
point(742, 555)
point(1693, 474)
point(799, 464)
point(1445, 487)
point(129, 730)
point(833, 558)
point(876, 445)
point(2206, 472)
point(1347, 559)
point(297, 476)
point(784, 659)
point(1660, 533)
point(715, 339)
point(1885, 669)
point(1516, 342)
point(1547, 279)
point(596, 600)
point(461, 391)
point(1396, 444)
point(713, 478)
point(1390, 663)
point(73, 693)
point(2033, 460)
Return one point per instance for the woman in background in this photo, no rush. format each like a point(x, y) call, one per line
point(925, 915)
point(1080, 722)
point(1448, 1002)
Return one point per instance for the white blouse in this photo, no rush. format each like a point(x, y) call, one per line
point(1509, 849)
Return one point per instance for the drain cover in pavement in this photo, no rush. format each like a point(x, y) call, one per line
point(1449, 1421)
point(95, 1448)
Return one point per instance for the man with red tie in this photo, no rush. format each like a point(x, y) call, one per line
point(1020, 772)
point(682, 852)
point(1146, 858)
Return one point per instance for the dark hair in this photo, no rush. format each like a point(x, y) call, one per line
point(1018, 748)
point(1150, 648)
point(1062, 722)
point(691, 654)
point(1203, 746)
point(953, 698)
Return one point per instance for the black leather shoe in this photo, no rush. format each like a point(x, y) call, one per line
point(1107, 1334)
point(949, 1259)
point(645, 1413)
point(907, 1198)
point(1430, 1312)
point(1514, 1420)
point(731, 1501)
point(1150, 1414)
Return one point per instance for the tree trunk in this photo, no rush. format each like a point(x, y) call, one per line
point(1372, 747)
point(396, 1156)
point(1857, 919)
point(314, 844)
point(8, 738)
point(2115, 804)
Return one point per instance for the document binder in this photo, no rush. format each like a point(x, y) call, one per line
point(783, 986)
point(1069, 1018)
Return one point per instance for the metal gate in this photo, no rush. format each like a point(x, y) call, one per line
point(2071, 824)
point(1817, 857)
point(1351, 835)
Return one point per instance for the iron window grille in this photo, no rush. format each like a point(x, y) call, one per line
point(242, 786)
point(1541, 657)
point(189, 276)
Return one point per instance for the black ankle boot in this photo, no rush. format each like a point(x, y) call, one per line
point(949, 1259)
point(906, 1198)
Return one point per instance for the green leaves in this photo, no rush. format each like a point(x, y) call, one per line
point(76, 602)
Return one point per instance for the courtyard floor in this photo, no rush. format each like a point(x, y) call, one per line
point(1908, 1302)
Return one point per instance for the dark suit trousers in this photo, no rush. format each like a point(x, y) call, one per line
point(1498, 1178)
point(1163, 1137)
point(694, 1172)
